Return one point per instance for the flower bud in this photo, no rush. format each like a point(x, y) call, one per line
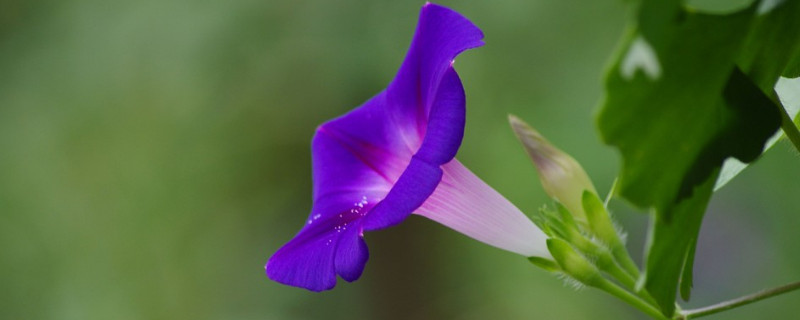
point(562, 177)
point(603, 228)
point(573, 263)
point(599, 220)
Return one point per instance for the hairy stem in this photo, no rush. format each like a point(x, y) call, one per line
point(738, 302)
point(631, 299)
point(620, 252)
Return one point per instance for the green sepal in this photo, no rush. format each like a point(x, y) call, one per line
point(599, 220)
point(546, 264)
point(573, 263)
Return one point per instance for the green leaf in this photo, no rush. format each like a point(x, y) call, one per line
point(644, 108)
point(670, 241)
point(687, 275)
point(676, 107)
point(676, 227)
point(772, 43)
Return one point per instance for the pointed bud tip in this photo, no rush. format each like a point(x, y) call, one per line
point(562, 176)
point(523, 130)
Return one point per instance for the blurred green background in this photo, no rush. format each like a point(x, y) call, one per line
point(155, 153)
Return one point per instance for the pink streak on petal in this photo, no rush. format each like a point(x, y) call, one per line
point(463, 202)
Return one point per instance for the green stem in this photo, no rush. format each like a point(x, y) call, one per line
point(797, 122)
point(631, 299)
point(738, 302)
point(619, 251)
point(625, 278)
point(789, 128)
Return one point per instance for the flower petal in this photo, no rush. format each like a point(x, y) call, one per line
point(346, 187)
point(306, 261)
point(463, 202)
point(328, 244)
point(440, 36)
point(351, 254)
point(362, 148)
point(445, 122)
point(419, 180)
point(411, 190)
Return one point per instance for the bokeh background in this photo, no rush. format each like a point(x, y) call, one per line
point(155, 153)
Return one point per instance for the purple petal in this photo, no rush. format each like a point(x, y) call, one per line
point(417, 183)
point(411, 190)
point(360, 149)
point(306, 262)
point(351, 254)
point(329, 243)
point(446, 121)
point(441, 35)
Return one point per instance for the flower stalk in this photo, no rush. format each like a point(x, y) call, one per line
point(577, 267)
point(738, 302)
point(632, 300)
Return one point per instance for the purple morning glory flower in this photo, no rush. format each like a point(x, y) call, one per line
point(394, 156)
